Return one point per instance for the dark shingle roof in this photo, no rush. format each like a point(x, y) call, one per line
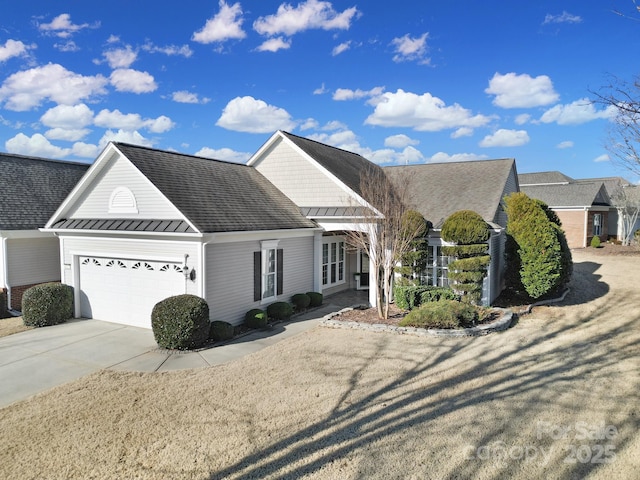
point(538, 178)
point(578, 194)
point(440, 189)
point(217, 196)
point(345, 165)
point(32, 189)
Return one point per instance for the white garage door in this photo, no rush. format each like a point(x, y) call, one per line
point(125, 291)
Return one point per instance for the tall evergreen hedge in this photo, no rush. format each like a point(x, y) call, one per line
point(469, 232)
point(543, 254)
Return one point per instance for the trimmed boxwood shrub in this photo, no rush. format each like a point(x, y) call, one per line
point(47, 304)
point(408, 297)
point(181, 322)
point(441, 314)
point(219, 330)
point(256, 318)
point(280, 311)
point(595, 242)
point(316, 299)
point(301, 301)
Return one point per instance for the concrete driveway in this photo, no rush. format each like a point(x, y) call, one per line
point(39, 359)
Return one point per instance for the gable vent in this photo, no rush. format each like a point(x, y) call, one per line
point(122, 200)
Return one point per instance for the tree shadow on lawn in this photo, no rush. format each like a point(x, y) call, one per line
point(519, 387)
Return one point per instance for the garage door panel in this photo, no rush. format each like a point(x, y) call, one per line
point(125, 291)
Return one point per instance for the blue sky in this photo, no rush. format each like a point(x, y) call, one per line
point(398, 82)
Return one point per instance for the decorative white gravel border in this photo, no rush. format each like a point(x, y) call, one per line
point(498, 325)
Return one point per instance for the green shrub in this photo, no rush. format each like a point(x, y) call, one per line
point(441, 314)
point(595, 242)
point(47, 304)
point(465, 227)
point(280, 311)
point(301, 301)
point(256, 318)
point(316, 299)
point(544, 255)
point(181, 322)
point(408, 297)
point(219, 330)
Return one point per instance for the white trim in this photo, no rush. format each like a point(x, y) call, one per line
point(80, 232)
point(33, 233)
point(5, 268)
point(128, 256)
point(253, 235)
point(265, 247)
point(123, 193)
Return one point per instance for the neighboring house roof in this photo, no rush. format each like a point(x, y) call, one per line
point(32, 188)
point(213, 195)
point(543, 178)
point(578, 194)
point(346, 166)
point(440, 189)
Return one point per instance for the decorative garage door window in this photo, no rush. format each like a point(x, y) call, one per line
point(132, 264)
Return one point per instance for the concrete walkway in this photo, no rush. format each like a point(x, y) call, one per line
point(39, 359)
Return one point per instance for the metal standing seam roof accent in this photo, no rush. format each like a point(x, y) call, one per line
point(125, 225)
point(335, 212)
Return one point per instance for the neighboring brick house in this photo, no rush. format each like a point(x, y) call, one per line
point(31, 189)
point(583, 206)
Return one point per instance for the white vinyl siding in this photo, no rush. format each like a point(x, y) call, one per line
point(230, 275)
point(119, 172)
point(33, 260)
point(299, 179)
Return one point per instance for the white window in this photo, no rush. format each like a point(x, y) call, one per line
point(437, 273)
point(332, 262)
point(597, 224)
point(269, 269)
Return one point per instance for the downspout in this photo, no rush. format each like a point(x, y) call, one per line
point(5, 268)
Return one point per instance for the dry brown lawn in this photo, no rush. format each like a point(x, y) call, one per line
point(11, 325)
point(555, 396)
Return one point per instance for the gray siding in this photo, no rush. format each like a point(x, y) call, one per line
point(510, 186)
point(33, 260)
point(230, 275)
point(119, 172)
point(300, 180)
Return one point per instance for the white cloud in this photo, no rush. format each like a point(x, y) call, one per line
point(506, 138)
point(132, 121)
point(224, 25)
point(347, 94)
point(68, 117)
point(442, 157)
point(462, 132)
point(308, 124)
point(575, 113)
point(522, 118)
point(399, 141)
point(411, 49)
point(565, 144)
point(69, 135)
point(422, 112)
point(343, 47)
point(320, 91)
point(602, 158)
point(13, 48)
point(521, 91)
point(61, 26)
point(68, 46)
point(135, 81)
point(246, 114)
point(312, 14)
point(224, 154)
point(564, 17)
point(333, 125)
point(274, 44)
point(170, 50)
point(121, 57)
point(123, 136)
point(183, 96)
point(36, 145)
point(29, 88)
point(85, 150)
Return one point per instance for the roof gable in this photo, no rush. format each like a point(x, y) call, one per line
point(578, 194)
point(32, 188)
point(440, 189)
point(544, 178)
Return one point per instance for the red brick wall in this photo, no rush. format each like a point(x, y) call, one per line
point(573, 226)
point(16, 295)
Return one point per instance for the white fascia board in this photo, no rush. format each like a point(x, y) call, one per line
point(256, 156)
point(228, 237)
point(35, 233)
point(120, 233)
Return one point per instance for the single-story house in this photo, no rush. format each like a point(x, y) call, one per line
point(583, 206)
point(439, 189)
point(31, 189)
point(144, 224)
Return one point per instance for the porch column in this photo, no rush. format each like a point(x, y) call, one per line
point(373, 273)
point(317, 262)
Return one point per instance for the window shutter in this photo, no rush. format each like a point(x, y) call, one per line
point(257, 276)
point(279, 258)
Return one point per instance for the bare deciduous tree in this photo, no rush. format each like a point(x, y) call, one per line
point(626, 199)
point(383, 231)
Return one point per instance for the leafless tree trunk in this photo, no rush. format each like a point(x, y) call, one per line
point(626, 199)
point(382, 229)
